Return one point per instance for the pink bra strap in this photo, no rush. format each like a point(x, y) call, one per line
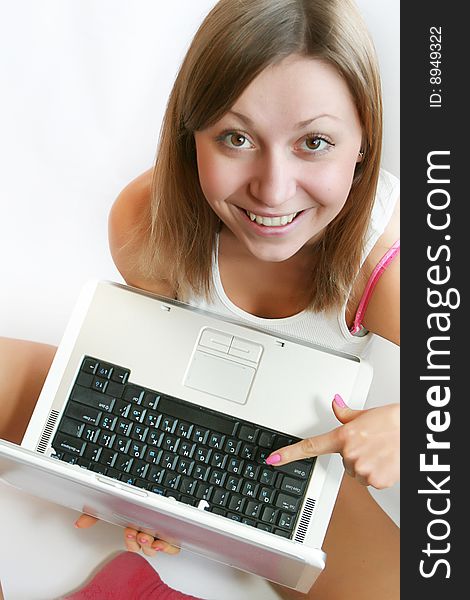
point(373, 279)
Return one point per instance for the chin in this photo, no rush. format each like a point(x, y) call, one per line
point(273, 255)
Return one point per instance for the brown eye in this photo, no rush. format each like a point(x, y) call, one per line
point(313, 143)
point(237, 140)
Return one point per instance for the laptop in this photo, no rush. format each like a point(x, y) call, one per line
point(159, 416)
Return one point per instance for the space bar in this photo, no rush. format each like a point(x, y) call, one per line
point(196, 416)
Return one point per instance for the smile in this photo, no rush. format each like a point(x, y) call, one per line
point(272, 221)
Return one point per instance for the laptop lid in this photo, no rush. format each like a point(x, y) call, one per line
point(210, 363)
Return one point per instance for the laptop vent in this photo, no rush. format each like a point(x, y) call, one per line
point(305, 520)
point(47, 432)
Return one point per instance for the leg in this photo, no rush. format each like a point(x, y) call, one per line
point(23, 369)
point(127, 576)
point(363, 551)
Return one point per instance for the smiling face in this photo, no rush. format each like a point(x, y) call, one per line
point(278, 166)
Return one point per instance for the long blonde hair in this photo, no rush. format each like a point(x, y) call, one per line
point(236, 41)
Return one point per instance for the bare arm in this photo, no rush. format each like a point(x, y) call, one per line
point(130, 210)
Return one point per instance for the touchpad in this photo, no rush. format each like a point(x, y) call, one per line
point(216, 367)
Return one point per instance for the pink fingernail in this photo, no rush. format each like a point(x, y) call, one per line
point(273, 459)
point(76, 525)
point(143, 541)
point(339, 401)
point(130, 537)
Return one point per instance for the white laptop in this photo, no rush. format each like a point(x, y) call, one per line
point(159, 416)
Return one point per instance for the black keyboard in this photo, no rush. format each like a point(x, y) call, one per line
point(174, 448)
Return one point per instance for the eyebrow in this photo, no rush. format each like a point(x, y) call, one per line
point(299, 125)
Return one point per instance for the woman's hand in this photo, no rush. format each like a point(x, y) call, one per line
point(134, 540)
point(368, 440)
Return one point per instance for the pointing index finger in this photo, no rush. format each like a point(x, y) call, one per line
point(326, 443)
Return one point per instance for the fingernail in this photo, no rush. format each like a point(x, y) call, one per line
point(143, 541)
point(273, 459)
point(129, 536)
point(158, 548)
point(76, 525)
point(339, 401)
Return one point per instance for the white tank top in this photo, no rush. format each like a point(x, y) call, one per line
point(327, 328)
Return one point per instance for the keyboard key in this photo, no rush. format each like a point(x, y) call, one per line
point(85, 379)
point(202, 454)
point(124, 427)
point(266, 439)
point(288, 503)
point(108, 422)
point(152, 419)
point(247, 433)
point(293, 486)
point(286, 521)
point(137, 449)
point(186, 449)
point(71, 427)
point(150, 400)
point(106, 439)
point(217, 477)
point(218, 460)
point(200, 435)
point(139, 433)
point(89, 365)
point(93, 398)
point(108, 457)
point(90, 433)
point(83, 413)
point(155, 474)
point(270, 515)
point(137, 414)
point(168, 424)
point(104, 370)
point(184, 430)
point(68, 444)
point(197, 416)
point(184, 466)
point(153, 455)
point(248, 451)
point(203, 491)
point(235, 465)
point(188, 485)
point(236, 503)
point(133, 393)
point(233, 483)
point(220, 497)
point(92, 452)
point(119, 375)
point(253, 509)
point(216, 440)
point(121, 444)
point(99, 384)
point(250, 489)
point(299, 469)
point(267, 495)
point(267, 476)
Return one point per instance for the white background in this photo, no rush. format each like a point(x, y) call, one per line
point(83, 88)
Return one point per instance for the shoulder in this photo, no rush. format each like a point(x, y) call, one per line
point(383, 311)
point(128, 222)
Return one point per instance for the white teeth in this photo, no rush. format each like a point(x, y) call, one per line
point(272, 221)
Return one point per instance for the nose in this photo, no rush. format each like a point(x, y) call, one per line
point(273, 181)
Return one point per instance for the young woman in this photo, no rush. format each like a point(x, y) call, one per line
point(267, 203)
